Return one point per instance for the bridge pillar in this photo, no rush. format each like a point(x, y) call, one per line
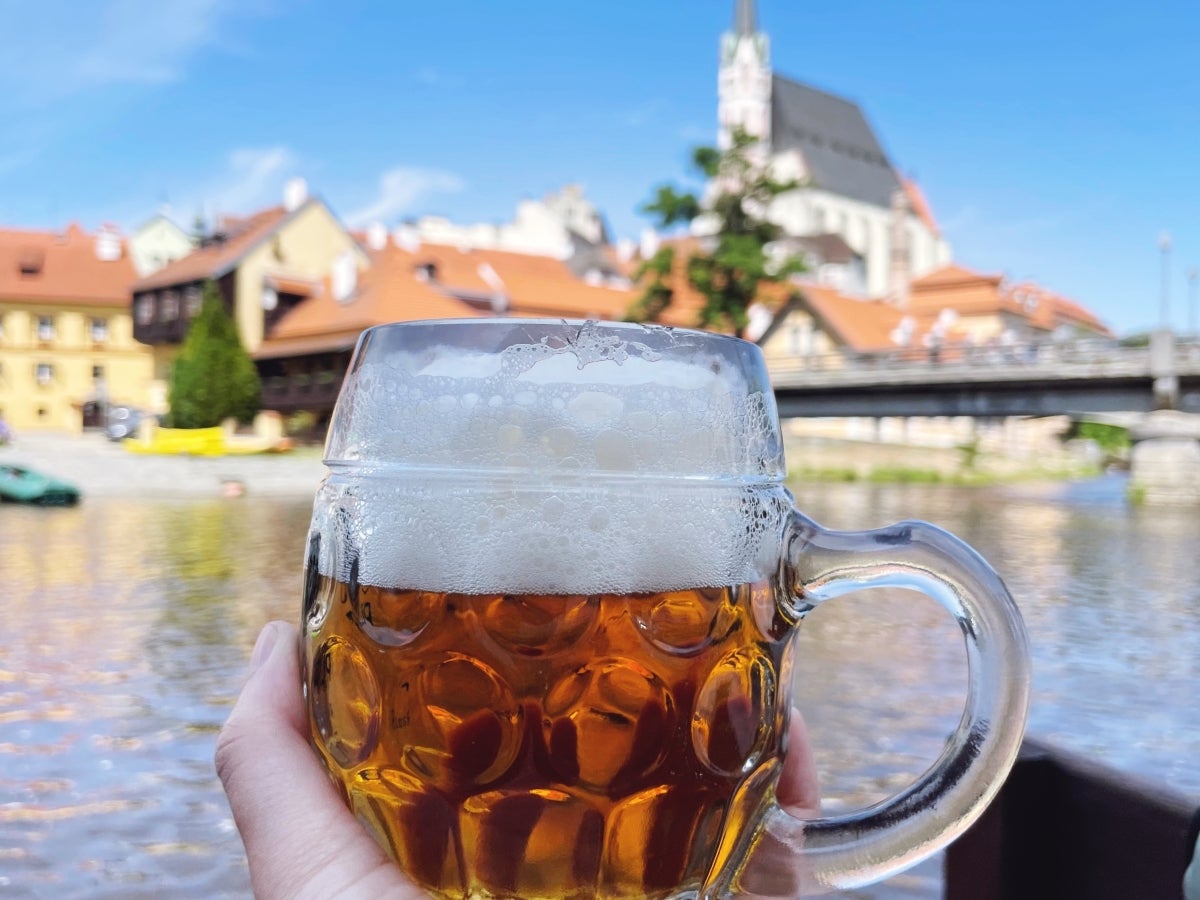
point(1165, 461)
point(1162, 369)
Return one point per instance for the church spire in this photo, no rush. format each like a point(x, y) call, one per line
point(744, 79)
point(745, 21)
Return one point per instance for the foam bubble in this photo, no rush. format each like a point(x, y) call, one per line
point(594, 465)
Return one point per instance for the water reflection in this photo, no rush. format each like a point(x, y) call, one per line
point(129, 624)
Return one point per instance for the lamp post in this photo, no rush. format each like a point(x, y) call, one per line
point(1192, 276)
point(1164, 244)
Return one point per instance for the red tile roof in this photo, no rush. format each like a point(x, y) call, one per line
point(973, 294)
point(687, 303)
point(395, 288)
point(61, 268)
point(241, 235)
point(862, 325)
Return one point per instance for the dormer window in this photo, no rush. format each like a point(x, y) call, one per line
point(427, 271)
point(30, 263)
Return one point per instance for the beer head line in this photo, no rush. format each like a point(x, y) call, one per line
point(596, 459)
point(440, 535)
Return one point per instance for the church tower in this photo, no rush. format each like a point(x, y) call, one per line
point(744, 80)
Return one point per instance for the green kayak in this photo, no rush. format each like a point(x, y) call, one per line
point(21, 485)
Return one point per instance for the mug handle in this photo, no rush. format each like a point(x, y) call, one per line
point(794, 857)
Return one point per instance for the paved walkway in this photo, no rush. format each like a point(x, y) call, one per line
point(100, 467)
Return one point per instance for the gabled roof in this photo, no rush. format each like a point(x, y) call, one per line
point(838, 145)
point(974, 294)
point(439, 282)
point(861, 325)
point(44, 265)
point(240, 236)
point(1050, 310)
point(954, 275)
point(687, 303)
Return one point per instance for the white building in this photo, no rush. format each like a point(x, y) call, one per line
point(156, 243)
point(559, 225)
point(849, 186)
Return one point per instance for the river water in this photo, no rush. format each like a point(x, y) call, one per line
point(128, 623)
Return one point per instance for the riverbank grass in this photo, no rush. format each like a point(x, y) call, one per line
point(918, 475)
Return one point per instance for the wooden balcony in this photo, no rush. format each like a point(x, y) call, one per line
point(302, 382)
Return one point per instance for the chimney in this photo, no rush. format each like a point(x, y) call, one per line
point(493, 280)
point(900, 271)
point(295, 193)
point(344, 277)
point(377, 236)
point(648, 245)
point(108, 243)
point(625, 250)
point(407, 237)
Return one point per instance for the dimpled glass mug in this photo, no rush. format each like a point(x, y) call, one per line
point(550, 601)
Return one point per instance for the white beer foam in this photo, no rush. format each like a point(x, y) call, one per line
point(522, 473)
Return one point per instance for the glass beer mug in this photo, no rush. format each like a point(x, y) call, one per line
point(551, 594)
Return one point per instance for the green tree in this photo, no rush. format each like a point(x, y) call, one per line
point(213, 378)
point(731, 267)
point(658, 293)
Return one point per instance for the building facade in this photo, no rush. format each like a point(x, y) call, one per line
point(67, 349)
point(264, 265)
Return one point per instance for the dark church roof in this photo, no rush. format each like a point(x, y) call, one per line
point(839, 148)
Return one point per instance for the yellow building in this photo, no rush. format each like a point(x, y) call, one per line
point(264, 266)
point(66, 334)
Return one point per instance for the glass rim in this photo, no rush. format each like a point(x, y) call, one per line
point(492, 321)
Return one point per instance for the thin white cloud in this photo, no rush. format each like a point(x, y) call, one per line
point(400, 189)
point(254, 177)
point(67, 48)
point(249, 179)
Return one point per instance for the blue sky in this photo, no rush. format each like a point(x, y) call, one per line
point(1053, 141)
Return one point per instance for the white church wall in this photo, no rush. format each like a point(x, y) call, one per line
point(540, 227)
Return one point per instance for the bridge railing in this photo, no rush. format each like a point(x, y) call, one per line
point(965, 362)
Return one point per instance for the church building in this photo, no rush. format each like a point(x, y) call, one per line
point(864, 228)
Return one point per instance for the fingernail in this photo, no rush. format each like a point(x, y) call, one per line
point(263, 646)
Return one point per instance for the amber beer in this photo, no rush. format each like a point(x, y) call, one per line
point(539, 746)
